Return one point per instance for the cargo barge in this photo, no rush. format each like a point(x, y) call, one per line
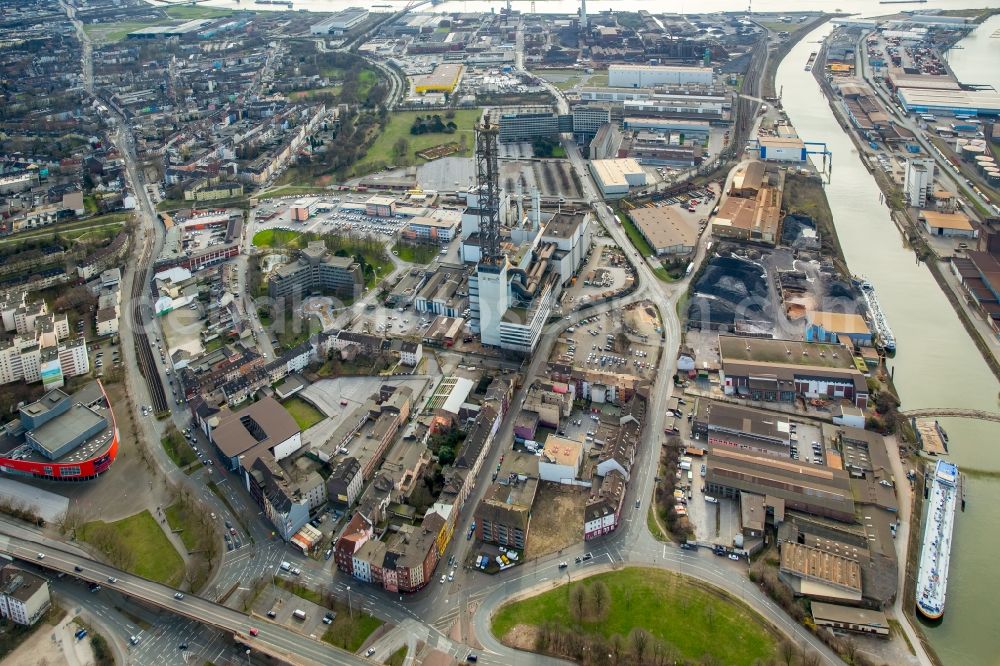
point(876, 318)
point(935, 552)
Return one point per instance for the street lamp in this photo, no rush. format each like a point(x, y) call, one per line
point(350, 611)
point(248, 656)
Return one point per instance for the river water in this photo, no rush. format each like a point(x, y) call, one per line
point(936, 364)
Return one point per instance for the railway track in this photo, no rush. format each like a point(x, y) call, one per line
point(147, 362)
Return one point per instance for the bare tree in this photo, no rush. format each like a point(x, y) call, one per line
point(617, 648)
point(787, 651)
point(639, 640)
point(578, 602)
point(710, 616)
point(850, 650)
point(600, 597)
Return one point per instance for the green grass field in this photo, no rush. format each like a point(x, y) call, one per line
point(179, 520)
point(351, 634)
point(305, 415)
point(416, 254)
point(115, 32)
point(71, 229)
point(634, 235)
point(276, 238)
point(398, 127)
point(696, 619)
point(178, 450)
point(151, 553)
point(397, 658)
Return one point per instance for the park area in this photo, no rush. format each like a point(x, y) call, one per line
point(397, 146)
point(138, 545)
point(640, 615)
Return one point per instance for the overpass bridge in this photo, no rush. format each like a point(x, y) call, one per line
point(952, 412)
point(274, 640)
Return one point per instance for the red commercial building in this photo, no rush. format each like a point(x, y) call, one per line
point(62, 437)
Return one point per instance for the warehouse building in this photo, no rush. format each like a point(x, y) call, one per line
point(848, 618)
point(829, 326)
point(666, 229)
point(786, 485)
point(615, 177)
point(645, 76)
point(782, 149)
point(687, 129)
point(340, 22)
point(953, 225)
point(783, 370)
point(958, 102)
point(444, 79)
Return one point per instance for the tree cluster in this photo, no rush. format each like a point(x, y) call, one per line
point(432, 125)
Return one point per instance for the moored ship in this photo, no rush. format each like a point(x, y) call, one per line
point(935, 551)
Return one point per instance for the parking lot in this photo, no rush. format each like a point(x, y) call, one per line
point(624, 341)
point(332, 215)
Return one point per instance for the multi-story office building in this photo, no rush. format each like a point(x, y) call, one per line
point(531, 123)
point(315, 270)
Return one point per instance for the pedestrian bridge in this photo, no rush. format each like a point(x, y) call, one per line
point(942, 412)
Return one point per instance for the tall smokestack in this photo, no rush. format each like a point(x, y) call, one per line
point(536, 202)
point(583, 14)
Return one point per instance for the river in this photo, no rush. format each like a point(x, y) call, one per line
point(936, 364)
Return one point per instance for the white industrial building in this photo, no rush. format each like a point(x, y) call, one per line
point(782, 149)
point(644, 76)
point(509, 303)
point(615, 177)
point(340, 22)
point(918, 181)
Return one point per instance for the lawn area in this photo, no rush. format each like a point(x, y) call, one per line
point(397, 658)
point(367, 79)
point(138, 545)
point(178, 450)
point(695, 619)
point(179, 522)
point(70, 229)
point(416, 254)
point(279, 238)
point(115, 32)
point(351, 634)
point(398, 127)
point(305, 415)
point(635, 236)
